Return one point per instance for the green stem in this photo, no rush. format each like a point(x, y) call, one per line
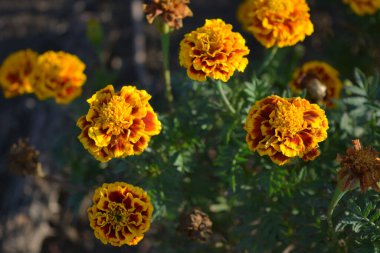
point(338, 194)
point(224, 98)
point(165, 43)
point(268, 59)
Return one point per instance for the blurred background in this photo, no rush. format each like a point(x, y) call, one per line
point(118, 46)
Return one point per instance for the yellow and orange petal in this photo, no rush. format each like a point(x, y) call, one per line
point(213, 51)
point(363, 7)
point(278, 23)
point(320, 80)
point(121, 213)
point(15, 73)
point(283, 128)
point(172, 12)
point(360, 165)
point(118, 124)
point(58, 75)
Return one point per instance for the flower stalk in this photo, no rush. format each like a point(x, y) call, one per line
point(165, 44)
point(224, 98)
point(268, 59)
point(338, 194)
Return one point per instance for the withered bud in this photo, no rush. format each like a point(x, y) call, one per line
point(23, 159)
point(359, 164)
point(196, 225)
point(315, 89)
point(171, 11)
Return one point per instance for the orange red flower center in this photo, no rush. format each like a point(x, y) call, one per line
point(287, 120)
point(115, 115)
point(117, 215)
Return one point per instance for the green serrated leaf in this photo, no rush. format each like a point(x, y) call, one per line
point(346, 123)
point(356, 90)
point(368, 209)
point(375, 216)
point(356, 101)
point(360, 78)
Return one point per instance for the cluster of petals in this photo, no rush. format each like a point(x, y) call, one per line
point(58, 75)
point(278, 23)
point(363, 7)
point(214, 51)
point(121, 213)
point(314, 73)
point(15, 73)
point(360, 165)
point(283, 128)
point(172, 12)
point(118, 124)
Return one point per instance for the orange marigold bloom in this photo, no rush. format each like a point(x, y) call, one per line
point(363, 7)
point(118, 124)
point(276, 22)
point(320, 80)
point(121, 214)
point(283, 128)
point(15, 73)
point(360, 164)
point(59, 75)
point(214, 51)
point(171, 11)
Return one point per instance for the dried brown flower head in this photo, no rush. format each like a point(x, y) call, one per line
point(196, 225)
point(23, 159)
point(360, 164)
point(171, 11)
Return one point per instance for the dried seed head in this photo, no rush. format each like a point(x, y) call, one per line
point(171, 11)
point(196, 225)
point(23, 159)
point(359, 164)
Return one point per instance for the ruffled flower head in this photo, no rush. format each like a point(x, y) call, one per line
point(58, 75)
point(360, 165)
point(320, 80)
point(214, 51)
point(363, 7)
point(121, 214)
point(278, 23)
point(15, 73)
point(118, 124)
point(171, 11)
point(283, 128)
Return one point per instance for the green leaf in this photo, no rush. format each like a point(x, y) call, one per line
point(356, 90)
point(375, 216)
point(346, 123)
point(360, 78)
point(356, 101)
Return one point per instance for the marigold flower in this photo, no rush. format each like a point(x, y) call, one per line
point(213, 50)
point(360, 164)
point(121, 213)
point(276, 22)
point(24, 159)
point(283, 128)
point(59, 75)
point(363, 7)
point(320, 80)
point(15, 73)
point(118, 124)
point(196, 225)
point(171, 11)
